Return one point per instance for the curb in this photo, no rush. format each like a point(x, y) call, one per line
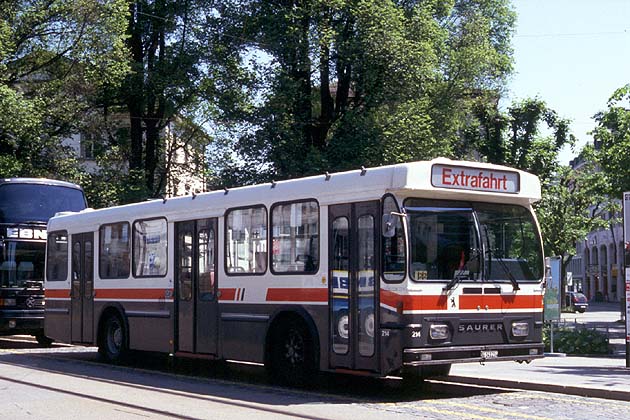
point(532, 386)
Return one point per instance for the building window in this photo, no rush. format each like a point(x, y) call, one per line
point(295, 237)
point(150, 248)
point(114, 251)
point(246, 240)
point(87, 147)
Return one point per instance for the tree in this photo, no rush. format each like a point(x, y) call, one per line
point(54, 55)
point(513, 138)
point(573, 205)
point(347, 83)
point(183, 68)
point(612, 135)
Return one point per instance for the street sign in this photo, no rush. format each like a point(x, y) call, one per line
point(552, 292)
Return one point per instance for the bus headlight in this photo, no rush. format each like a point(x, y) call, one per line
point(439, 332)
point(7, 302)
point(520, 329)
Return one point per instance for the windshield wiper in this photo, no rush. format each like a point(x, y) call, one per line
point(515, 285)
point(456, 279)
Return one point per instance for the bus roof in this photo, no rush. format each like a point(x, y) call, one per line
point(39, 181)
point(438, 179)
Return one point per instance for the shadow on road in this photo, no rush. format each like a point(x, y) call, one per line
point(234, 381)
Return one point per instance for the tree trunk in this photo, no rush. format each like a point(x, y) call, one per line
point(135, 97)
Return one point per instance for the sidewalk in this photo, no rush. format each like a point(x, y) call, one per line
point(602, 376)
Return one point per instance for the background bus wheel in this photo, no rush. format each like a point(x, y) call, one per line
point(292, 357)
point(43, 340)
point(113, 343)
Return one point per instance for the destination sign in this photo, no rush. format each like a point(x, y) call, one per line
point(476, 179)
point(25, 233)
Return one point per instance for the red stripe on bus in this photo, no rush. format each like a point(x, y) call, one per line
point(227, 294)
point(133, 293)
point(501, 301)
point(297, 295)
point(414, 302)
point(60, 293)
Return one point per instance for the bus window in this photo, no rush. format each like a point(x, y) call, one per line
point(512, 242)
point(246, 241)
point(394, 254)
point(206, 263)
point(443, 241)
point(295, 228)
point(114, 251)
point(29, 203)
point(150, 248)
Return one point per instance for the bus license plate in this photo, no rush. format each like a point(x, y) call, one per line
point(489, 354)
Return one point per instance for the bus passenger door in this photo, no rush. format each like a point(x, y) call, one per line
point(196, 286)
point(82, 295)
point(353, 286)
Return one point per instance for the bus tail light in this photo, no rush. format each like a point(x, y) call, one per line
point(439, 332)
point(520, 329)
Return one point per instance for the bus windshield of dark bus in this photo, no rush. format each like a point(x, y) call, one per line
point(456, 241)
point(22, 264)
point(31, 203)
point(21, 206)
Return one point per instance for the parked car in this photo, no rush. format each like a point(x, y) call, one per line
point(576, 302)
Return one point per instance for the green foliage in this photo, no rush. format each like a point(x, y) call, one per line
point(362, 82)
point(572, 206)
point(185, 66)
point(613, 135)
point(54, 56)
point(576, 341)
point(514, 137)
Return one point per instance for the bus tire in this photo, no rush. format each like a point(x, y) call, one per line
point(112, 345)
point(43, 340)
point(292, 358)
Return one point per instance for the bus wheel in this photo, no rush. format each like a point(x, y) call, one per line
point(43, 340)
point(292, 357)
point(113, 343)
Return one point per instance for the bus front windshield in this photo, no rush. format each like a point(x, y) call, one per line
point(24, 203)
point(21, 264)
point(456, 241)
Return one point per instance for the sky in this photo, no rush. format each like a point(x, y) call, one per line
point(573, 54)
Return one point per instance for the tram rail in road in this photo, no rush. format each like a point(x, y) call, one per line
point(73, 379)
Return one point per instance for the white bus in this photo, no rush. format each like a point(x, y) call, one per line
point(397, 269)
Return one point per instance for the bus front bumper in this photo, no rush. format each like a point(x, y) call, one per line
point(464, 354)
point(21, 322)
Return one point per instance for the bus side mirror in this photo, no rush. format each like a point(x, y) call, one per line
point(388, 226)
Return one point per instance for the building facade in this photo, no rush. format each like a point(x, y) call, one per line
point(183, 160)
point(597, 267)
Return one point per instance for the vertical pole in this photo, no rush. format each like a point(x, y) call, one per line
point(626, 270)
point(551, 336)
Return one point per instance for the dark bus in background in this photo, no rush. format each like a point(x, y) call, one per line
point(26, 204)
